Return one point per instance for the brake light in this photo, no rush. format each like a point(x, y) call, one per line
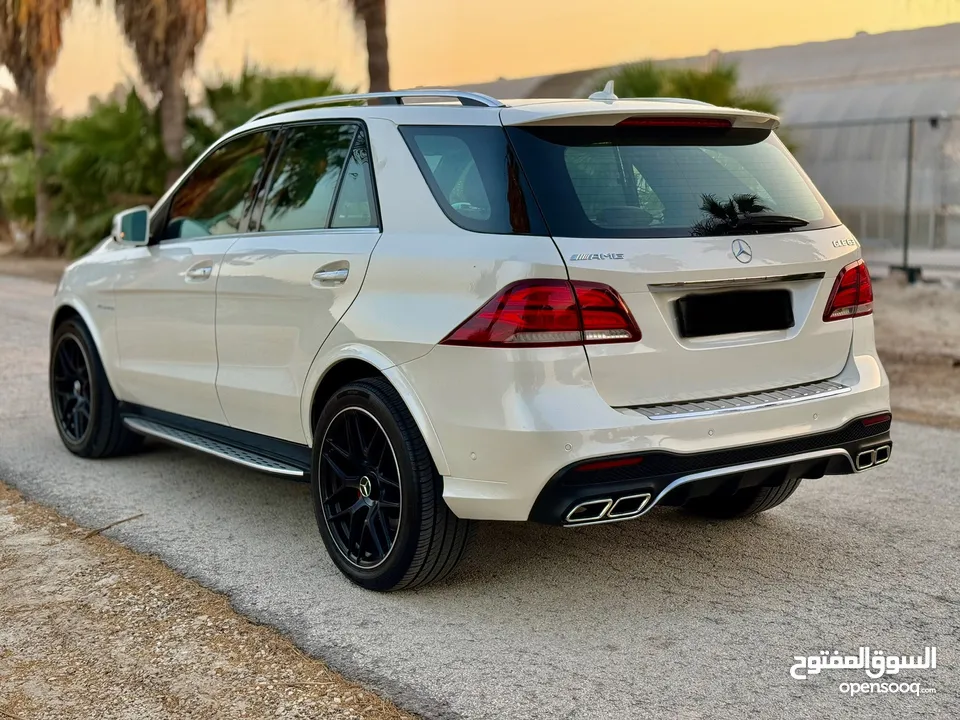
point(540, 313)
point(852, 294)
point(689, 122)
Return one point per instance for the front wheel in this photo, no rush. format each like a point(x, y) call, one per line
point(742, 503)
point(376, 494)
point(85, 409)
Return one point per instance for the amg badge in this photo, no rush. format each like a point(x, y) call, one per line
point(596, 256)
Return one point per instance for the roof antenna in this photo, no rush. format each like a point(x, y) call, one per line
point(606, 94)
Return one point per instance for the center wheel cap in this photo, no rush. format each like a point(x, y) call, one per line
point(77, 387)
point(365, 486)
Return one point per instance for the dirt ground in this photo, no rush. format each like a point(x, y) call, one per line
point(89, 629)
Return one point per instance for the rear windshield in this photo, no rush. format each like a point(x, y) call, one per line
point(666, 182)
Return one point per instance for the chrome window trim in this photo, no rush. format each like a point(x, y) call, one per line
point(733, 282)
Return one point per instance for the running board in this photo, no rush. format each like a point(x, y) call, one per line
point(217, 448)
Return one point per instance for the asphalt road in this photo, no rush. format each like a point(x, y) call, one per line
point(665, 617)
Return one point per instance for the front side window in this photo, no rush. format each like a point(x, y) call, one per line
point(307, 176)
point(219, 192)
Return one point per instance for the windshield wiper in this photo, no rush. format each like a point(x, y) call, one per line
point(761, 220)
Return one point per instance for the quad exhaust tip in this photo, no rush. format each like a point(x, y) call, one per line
point(876, 456)
point(608, 509)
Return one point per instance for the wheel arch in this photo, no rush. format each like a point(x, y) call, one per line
point(354, 362)
point(74, 308)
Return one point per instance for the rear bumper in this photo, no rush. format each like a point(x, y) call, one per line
point(508, 421)
point(634, 484)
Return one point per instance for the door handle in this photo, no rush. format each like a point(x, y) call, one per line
point(200, 272)
point(331, 277)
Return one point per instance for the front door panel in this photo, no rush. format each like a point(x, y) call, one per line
point(166, 308)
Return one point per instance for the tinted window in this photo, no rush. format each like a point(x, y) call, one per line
point(217, 194)
point(306, 177)
point(475, 177)
point(356, 201)
point(639, 182)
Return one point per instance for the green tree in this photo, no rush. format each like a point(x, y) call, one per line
point(231, 103)
point(718, 85)
point(113, 157)
point(30, 43)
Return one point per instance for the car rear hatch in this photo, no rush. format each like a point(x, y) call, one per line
point(718, 243)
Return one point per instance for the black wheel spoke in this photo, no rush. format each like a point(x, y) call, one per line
point(341, 475)
point(359, 497)
point(373, 532)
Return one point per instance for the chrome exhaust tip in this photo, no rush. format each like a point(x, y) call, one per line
point(628, 506)
point(882, 455)
point(866, 459)
point(589, 511)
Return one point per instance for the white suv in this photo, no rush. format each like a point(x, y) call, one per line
point(437, 308)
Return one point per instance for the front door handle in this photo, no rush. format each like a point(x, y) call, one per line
point(200, 272)
point(331, 277)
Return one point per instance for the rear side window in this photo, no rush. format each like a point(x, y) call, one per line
point(475, 177)
point(645, 182)
point(321, 179)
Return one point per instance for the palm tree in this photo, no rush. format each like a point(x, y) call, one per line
point(372, 14)
point(30, 42)
point(165, 35)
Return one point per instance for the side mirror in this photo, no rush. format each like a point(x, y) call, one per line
point(132, 226)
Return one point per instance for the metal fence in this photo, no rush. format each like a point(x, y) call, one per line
point(893, 182)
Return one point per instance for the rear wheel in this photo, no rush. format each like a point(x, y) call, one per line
point(742, 503)
point(376, 494)
point(86, 411)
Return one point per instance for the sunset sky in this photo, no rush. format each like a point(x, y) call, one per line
point(456, 41)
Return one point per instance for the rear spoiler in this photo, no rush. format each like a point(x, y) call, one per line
point(581, 112)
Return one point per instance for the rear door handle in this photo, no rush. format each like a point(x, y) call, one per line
point(331, 277)
point(200, 272)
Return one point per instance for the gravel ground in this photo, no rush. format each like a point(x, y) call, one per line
point(90, 629)
point(665, 617)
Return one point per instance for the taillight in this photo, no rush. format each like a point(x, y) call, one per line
point(685, 122)
point(538, 313)
point(852, 294)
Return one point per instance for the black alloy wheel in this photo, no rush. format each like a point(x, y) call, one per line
point(71, 388)
point(86, 411)
point(361, 487)
point(377, 495)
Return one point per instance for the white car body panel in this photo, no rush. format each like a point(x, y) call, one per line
point(248, 347)
point(272, 316)
point(167, 346)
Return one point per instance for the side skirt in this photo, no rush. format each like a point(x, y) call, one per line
point(259, 452)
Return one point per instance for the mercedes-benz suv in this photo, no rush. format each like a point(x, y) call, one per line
point(438, 307)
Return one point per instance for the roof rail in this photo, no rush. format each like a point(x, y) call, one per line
point(395, 97)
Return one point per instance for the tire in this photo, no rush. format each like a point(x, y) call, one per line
point(85, 395)
point(743, 503)
point(353, 487)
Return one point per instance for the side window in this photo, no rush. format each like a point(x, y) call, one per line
point(475, 177)
point(218, 193)
point(306, 177)
point(356, 203)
